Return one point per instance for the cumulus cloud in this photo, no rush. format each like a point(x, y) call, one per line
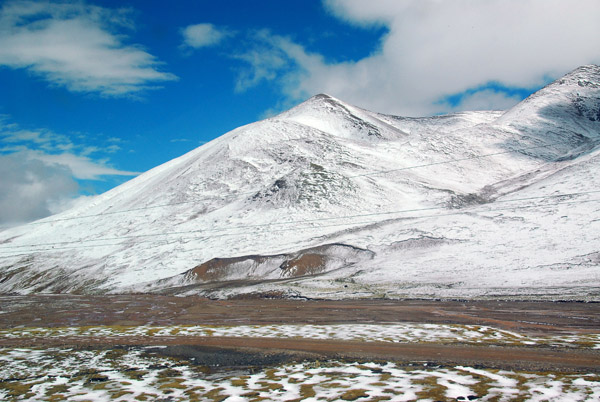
point(77, 46)
point(40, 172)
point(202, 35)
point(29, 187)
point(434, 49)
point(489, 100)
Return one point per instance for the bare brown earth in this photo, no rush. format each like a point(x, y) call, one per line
point(306, 264)
point(533, 318)
point(73, 310)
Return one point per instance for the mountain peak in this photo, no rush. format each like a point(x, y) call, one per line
point(323, 96)
point(323, 99)
point(590, 72)
point(574, 96)
point(333, 116)
point(587, 76)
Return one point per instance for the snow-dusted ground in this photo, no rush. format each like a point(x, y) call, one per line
point(475, 204)
point(395, 333)
point(126, 375)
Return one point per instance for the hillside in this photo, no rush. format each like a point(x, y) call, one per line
point(332, 201)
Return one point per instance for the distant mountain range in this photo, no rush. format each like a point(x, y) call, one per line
point(328, 200)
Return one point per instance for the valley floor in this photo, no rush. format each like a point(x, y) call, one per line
point(161, 348)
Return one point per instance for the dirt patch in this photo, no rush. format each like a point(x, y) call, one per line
point(219, 268)
point(212, 356)
point(306, 264)
point(71, 310)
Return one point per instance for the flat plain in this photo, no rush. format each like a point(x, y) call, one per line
point(151, 347)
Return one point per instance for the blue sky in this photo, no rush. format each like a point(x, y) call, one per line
point(91, 93)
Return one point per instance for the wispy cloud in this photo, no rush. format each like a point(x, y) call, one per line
point(78, 46)
point(40, 171)
point(266, 60)
point(14, 138)
point(11, 135)
point(80, 166)
point(434, 50)
point(203, 35)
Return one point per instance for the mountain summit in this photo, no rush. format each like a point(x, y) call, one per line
point(331, 200)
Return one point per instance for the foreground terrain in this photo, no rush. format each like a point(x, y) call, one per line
point(162, 348)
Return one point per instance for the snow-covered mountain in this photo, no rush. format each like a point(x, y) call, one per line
point(330, 200)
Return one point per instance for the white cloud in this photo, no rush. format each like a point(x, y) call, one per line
point(267, 61)
point(16, 139)
point(434, 49)
point(40, 169)
point(202, 35)
point(11, 133)
point(77, 46)
point(29, 187)
point(277, 58)
point(81, 167)
point(488, 99)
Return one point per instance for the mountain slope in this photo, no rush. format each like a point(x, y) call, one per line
point(330, 200)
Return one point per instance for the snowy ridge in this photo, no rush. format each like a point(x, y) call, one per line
point(474, 204)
